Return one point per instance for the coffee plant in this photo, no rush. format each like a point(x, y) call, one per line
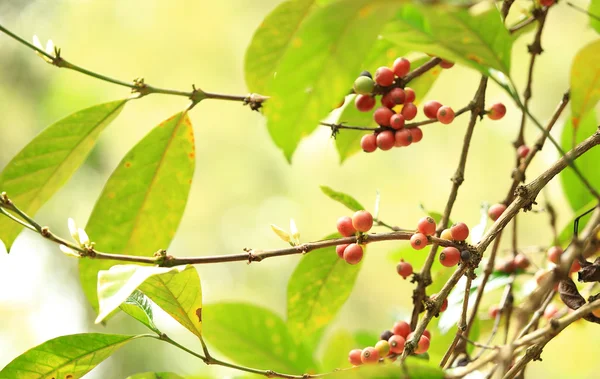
point(362, 69)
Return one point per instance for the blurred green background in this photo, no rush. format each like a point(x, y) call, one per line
point(242, 183)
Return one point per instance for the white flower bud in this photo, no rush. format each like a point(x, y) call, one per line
point(73, 230)
point(68, 251)
point(84, 240)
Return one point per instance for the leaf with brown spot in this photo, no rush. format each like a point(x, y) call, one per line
point(140, 208)
point(176, 290)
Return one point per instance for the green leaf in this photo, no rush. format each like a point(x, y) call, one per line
point(334, 356)
point(272, 39)
point(156, 375)
point(575, 192)
point(141, 205)
point(413, 368)
point(479, 41)
point(50, 159)
point(175, 289)
point(585, 81)
point(254, 336)
point(318, 288)
point(347, 142)
point(365, 337)
point(138, 306)
point(594, 11)
point(320, 65)
point(70, 356)
point(178, 293)
point(342, 198)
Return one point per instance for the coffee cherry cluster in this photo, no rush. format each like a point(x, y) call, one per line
point(450, 256)
point(397, 107)
point(360, 222)
point(425, 227)
point(390, 345)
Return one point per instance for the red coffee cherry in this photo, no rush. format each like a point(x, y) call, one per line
point(446, 235)
point(362, 221)
point(384, 76)
point(494, 311)
point(417, 134)
point(427, 334)
point(364, 103)
point(339, 249)
point(576, 266)
point(522, 151)
point(506, 265)
point(383, 348)
point(397, 121)
point(418, 241)
point(445, 115)
point(382, 116)
point(386, 140)
point(446, 64)
point(410, 95)
point(450, 256)
point(496, 210)
point(369, 355)
point(550, 311)
point(554, 254)
point(353, 254)
point(344, 226)
point(397, 95)
point(397, 344)
point(546, 3)
point(444, 303)
point(426, 226)
point(401, 328)
point(430, 108)
point(409, 111)
point(497, 111)
point(423, 344)
point(401, 67)
point(404, 269)
point(354, 357)
point(368, 143)
point(521, 261)
point(459, 231)
point(403, 138)
point(387, 101)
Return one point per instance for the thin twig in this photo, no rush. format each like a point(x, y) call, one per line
point(164, 260)
point(138, 85)
point(424, 278)
point(518, 176)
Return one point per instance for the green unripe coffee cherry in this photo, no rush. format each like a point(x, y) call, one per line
point(363, 85)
